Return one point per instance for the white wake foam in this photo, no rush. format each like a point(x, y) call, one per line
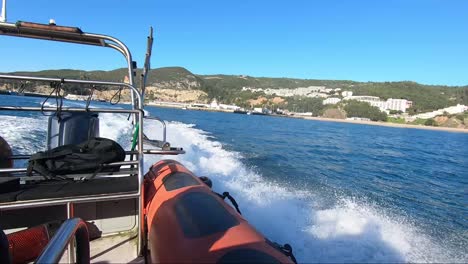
point(24, 134)
point(346, 231)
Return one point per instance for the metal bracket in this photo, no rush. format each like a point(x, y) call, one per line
point(147, 66)
point(165, 146)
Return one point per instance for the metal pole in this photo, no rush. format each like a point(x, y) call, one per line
point(140, 184)
point(3, 17)
point(71, 245)
point(126, 53)
point(128, 56)
point(147, 65)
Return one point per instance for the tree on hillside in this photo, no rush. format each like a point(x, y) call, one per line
point(396, 112)
point(365, 110)
point(430, 122)
point(305, 104)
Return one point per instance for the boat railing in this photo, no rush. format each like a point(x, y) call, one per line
point(138, 153)
point(53, 32)
point(137, 102)
point(73, 35)
point(72, 234)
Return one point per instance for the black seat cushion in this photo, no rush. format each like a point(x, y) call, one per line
point(70, 188)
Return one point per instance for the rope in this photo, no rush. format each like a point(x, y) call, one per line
point(287, 250)
point(22, 87)
point(88, 101)
point(118, 94)
point(233, 201)
point(57, 88)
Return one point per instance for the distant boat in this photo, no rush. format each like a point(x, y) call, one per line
point(240, 112)
point(260, 111)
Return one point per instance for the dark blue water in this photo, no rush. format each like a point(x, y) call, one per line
point(419, 173)
point(423, 172)
point(400, 179)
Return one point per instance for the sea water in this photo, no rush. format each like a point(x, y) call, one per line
point(336, 192)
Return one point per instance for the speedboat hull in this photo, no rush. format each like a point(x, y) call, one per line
point(188, 222)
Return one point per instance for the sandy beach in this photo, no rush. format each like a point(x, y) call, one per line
point(387, 124)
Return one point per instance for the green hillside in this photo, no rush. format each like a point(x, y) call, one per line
point(228, 88)
point(424, 97)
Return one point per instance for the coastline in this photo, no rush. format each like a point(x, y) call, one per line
point(323, 119)
point(388, 124)
point(359, 122)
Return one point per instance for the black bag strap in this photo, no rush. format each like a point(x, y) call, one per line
point(51, 155)
point(36, 166)
point(30, 168)
point(95, 173)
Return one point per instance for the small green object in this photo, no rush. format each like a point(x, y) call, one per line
point(135, 136)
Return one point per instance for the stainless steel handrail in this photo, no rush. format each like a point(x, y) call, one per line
point(163, 152)
point(120, 46)
point(104, 40)
point(74, 228)
point(133, 90)
point(126, 172)
point(69, 109)
point(11, 29)
point(145, 151)
point(61, 201)
point(113, 164)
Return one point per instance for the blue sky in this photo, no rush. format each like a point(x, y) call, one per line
point(375, 40)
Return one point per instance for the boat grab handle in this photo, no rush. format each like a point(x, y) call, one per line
point(163, 144)
point(71, 228)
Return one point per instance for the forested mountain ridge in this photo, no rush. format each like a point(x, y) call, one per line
point(229, 88)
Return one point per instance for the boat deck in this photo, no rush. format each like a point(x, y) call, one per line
point(119, 248)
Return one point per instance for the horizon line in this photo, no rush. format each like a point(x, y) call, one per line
point(248, 75)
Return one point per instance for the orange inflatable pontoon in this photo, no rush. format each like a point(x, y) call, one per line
point(187, 222)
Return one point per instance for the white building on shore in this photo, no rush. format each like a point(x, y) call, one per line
point(398, 104)
point(457, 109)
point(331, 100)
point(215, 105)
point(229, 107)
point(346, 93)
point(384, 106)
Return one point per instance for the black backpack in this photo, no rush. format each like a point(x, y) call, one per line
point(87, 157)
